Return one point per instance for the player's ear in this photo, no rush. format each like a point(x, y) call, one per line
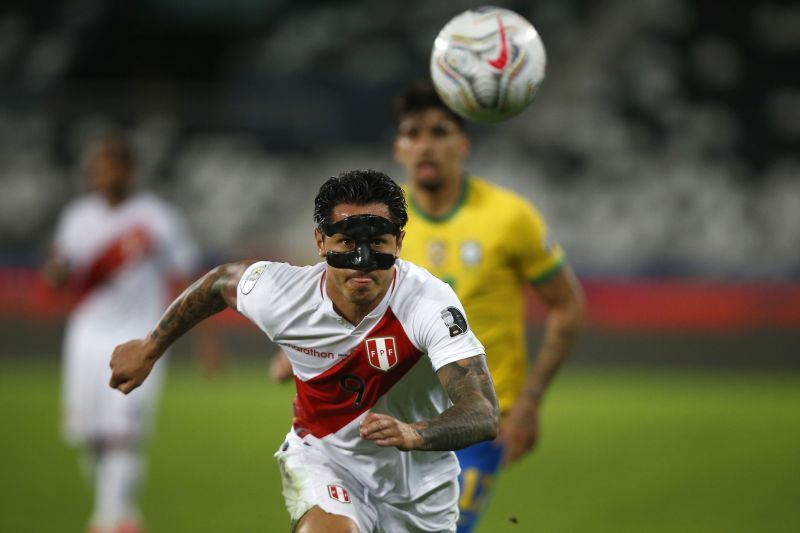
point(466, 146)
point(400, 242)
point(396, 149)
point(320, 240)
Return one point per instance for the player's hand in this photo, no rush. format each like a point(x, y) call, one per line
point(386, 430)
point(56, 271)
point(131, 363)
point(280, 369)
point(520, 431)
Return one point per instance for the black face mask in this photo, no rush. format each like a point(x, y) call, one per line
point(362, 229)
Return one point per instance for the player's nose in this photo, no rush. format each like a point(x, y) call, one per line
point(424, 142)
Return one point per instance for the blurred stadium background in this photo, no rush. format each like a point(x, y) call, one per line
point(664, 149)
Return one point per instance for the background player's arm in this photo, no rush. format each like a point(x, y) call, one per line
point(132, 361)
point(56, 270)
point(564, 298)
point(473, 417)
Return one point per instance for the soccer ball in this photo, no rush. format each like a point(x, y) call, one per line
point(487, 64)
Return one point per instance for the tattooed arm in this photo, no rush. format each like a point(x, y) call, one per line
point(132, 362)
point(473, 417)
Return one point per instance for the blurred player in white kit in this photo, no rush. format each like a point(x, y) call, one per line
point(117, 248)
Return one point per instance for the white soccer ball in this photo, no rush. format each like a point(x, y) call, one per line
point(487, 64)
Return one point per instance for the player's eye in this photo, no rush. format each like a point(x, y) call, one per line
point(346, 243)
point(439, 131)
point(378, 242)
point(411, 133)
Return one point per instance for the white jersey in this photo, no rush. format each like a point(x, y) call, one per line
point(386, 364)
point(121, 257)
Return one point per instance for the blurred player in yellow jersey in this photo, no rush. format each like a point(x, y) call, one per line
point(488, 243)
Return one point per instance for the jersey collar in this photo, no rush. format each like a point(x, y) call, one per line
point(380, 309)
point(462, 199)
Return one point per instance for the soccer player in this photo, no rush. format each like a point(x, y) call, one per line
point(115, 247)
point(488, 243)
point(389, 377)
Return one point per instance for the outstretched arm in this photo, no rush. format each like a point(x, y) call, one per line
point(132, 362)
point(564, 298)
point(473, 417)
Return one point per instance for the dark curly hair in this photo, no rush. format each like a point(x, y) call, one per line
point(360, 187)
point(420, 96)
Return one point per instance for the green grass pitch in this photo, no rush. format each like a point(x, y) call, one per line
point(645, 450)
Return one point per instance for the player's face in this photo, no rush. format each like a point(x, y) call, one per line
point(359, 287)
point(107, 173)
point(431, 147)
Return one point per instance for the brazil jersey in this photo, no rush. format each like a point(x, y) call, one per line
point(487, 248)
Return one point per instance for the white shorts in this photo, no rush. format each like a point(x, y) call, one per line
point(310, 478)
point(92, 410)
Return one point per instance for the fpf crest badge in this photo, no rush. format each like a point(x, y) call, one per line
point(338, 493)
point(382, 352)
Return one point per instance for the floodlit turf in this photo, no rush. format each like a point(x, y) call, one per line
point(622, 451)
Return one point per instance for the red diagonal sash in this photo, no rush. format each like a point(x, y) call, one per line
point(128, 247)
point(331, 400)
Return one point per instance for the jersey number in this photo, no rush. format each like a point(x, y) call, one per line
point(353, 384)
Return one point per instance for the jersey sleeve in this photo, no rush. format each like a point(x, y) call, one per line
point(537, 253)
point(440, 326)
point(258, 295)
point(66, 236)
point(183, 254)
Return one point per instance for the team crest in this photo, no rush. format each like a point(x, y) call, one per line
point(250, 280)
point(470, 252)
point(454, 320)
point(437, 251)
point(338, 493)
point(381, 352)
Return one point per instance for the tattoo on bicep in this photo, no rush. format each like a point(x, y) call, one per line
point(200, 300)
point(464, 376)
point(473, 417)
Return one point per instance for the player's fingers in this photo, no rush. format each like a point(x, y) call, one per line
point(373, 428)
point(114, 381)
point(365, 422)
point(126, 386)
point(385, 433)
point(371, 417)
point(390, 441)
point(374, 422)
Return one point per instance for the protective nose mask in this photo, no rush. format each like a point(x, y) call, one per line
point(362, 229)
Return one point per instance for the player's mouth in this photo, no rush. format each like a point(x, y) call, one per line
point(427, 169)
point(361, 280)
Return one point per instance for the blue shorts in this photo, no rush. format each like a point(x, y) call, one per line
point(479, 465)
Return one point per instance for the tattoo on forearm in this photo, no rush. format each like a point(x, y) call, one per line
point(474, 415)
point(206, 296)
point(558, 342)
